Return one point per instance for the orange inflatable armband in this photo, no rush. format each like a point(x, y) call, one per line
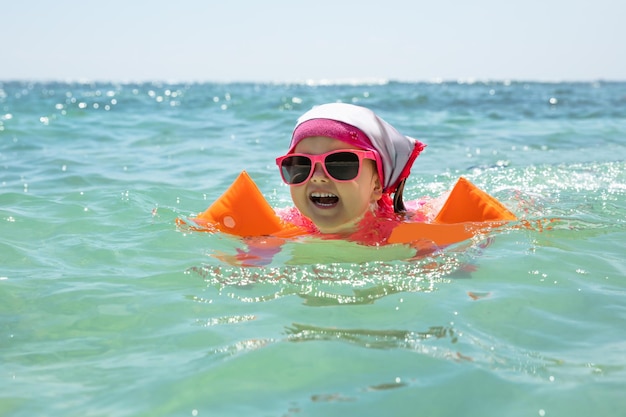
point(467, 210)
point(243, 211)
point(468, 203)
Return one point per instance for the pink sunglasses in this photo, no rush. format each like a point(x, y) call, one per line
point(341, 165)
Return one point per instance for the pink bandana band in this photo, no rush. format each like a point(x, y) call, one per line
point(331, 129)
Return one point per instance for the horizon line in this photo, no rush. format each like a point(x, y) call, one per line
point(320, 82)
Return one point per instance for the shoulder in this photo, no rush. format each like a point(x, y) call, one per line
point(293, 216)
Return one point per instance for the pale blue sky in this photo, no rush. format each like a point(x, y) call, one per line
point(282, 40)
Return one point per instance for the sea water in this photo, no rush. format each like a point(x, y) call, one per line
point(108, 308)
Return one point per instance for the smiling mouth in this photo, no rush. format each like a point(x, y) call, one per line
point(324, 199)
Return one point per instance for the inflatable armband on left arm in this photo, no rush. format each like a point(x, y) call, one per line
point(468, 203)
point(467, 210)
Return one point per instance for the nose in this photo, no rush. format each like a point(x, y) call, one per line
point(318, 173)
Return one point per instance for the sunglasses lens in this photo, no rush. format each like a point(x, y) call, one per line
point(295, 169)
point(342, 166)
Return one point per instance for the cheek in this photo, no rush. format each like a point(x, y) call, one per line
point(294, 192)
point(370, 183)
point(297, 194)
point(356, 196)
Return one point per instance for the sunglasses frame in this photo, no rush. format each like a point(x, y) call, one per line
point(321, 158)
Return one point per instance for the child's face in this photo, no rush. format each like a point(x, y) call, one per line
point(345, 203)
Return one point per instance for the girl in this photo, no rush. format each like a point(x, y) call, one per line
point(346, 169)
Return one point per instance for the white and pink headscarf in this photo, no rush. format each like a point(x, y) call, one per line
point(362, 128)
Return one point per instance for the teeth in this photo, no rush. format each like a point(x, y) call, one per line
point(321, 199)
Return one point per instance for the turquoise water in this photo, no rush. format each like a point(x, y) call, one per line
point(107, 308)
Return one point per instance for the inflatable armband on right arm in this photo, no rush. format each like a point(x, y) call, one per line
point(243, 211)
